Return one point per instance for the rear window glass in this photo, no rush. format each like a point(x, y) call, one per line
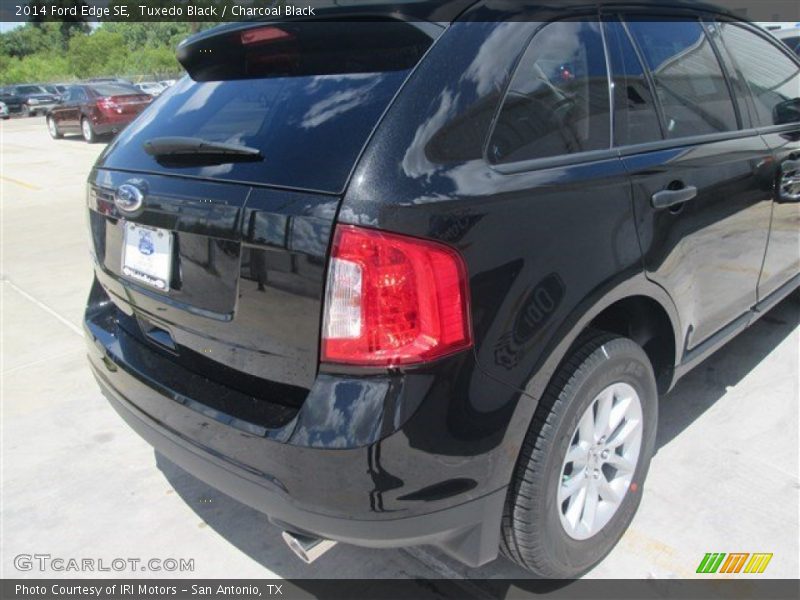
point(558, 101)
point(688, 78)
point(113, 89)
point(635, 115)
point(29, 89)
point(773, 77)
point(308, 129)
point(305, 95)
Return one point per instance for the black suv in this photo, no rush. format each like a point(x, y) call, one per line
point(403, 282)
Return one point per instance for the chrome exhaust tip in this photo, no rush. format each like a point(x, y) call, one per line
point(308, 549)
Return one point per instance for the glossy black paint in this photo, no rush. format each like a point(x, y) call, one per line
point(248, 273)
point(707, 252)
point(225, 366)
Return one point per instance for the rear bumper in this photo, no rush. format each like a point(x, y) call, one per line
point(450, 528)
point(106, 127)
point(387, 493)
point(41, 109)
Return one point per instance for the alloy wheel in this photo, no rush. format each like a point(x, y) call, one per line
point(600, 461)
point(86, 128)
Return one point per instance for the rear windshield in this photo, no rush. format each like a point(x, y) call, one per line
point(113, 89)
point(30, 89)
point(308, 115)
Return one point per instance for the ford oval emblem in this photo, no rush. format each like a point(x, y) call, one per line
point(128, 198)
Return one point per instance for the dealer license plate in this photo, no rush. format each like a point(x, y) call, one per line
point(147, 255)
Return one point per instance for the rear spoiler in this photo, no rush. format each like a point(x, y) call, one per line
point(339, 39)
point(359, 43)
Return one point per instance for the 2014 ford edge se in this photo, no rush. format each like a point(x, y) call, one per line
point(421, 280)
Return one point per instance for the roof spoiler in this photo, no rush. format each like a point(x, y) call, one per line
point(259, 49)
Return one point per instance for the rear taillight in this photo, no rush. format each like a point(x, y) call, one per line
point(107, 105)
point(393, 300)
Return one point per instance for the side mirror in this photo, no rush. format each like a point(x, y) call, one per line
point(787, 111)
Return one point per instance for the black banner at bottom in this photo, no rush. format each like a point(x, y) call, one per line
point(397, 589)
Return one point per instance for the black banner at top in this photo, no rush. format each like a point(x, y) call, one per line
point(786, 11)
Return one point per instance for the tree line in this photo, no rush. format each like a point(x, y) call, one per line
point(43, 52)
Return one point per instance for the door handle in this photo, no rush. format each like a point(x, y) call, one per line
point(668, 198)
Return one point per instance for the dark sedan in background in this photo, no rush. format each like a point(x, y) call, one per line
point(11, 101)
point(35, 99)
point(96, 109)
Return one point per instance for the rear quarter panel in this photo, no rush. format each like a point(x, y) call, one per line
point(546, 249)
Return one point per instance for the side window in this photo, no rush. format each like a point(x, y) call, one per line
point(557, 102)
point(635, 115)
point(691, 88)
point(773, 77)
point(792, 42)
point(741, 93)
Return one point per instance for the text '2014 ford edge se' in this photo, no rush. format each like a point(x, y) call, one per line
point(421, 281)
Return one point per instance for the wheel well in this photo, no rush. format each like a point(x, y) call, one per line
point(645, 321)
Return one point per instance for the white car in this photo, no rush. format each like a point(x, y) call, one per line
point(4, 111)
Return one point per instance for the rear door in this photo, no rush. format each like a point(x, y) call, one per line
point(249, 237)
point(61, 110)
point(72, 108)
point(772, 77)
point(78, 108)
point(702, 202)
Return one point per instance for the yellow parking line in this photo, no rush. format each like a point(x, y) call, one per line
point(29, 186)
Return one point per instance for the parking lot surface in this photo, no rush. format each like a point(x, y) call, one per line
point(77, 483)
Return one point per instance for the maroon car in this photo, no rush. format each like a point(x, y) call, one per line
point(96, 109)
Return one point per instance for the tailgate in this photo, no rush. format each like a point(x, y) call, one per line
point(247, 236)
point(131, 104)
point(244, 300)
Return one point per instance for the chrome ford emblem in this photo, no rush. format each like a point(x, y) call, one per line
point(128, 198)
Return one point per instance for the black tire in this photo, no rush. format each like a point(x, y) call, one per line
point(532, 533)
point(88, 131)
point(53, 130)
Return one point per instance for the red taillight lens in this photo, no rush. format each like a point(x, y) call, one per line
point(107, 105)
point(393, 300)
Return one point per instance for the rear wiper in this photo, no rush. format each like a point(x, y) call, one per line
point(185, 148)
